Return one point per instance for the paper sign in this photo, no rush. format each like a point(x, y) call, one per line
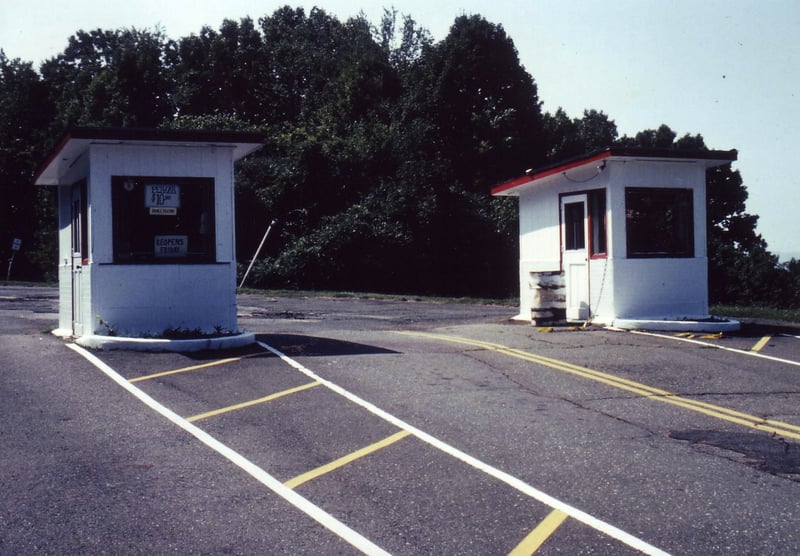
point(171, 246)
point(162, 195)
point(163, 211)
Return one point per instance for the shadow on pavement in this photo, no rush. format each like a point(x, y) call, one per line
point(296, 345)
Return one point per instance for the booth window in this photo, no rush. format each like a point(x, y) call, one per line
point(659, 222)
point(574, 237)
point(597, 222)
point(163, 220)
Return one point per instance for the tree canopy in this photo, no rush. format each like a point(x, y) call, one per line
point(382, 146)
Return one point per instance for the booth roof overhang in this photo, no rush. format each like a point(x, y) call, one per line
point(708, 158)
point(76, 141)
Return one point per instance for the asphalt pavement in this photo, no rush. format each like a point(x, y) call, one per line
point(404, 426)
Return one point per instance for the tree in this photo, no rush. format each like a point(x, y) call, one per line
point(330, 141)
point(470, 117)
point(567, 137)
point(110, 78)
point(26, 212)
point(223, 72)
point(405, 47)
point(482, 102)
point(741, 269)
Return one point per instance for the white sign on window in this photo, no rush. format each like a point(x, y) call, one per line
point(171, 246)
point(162, 196)
point(163, 211)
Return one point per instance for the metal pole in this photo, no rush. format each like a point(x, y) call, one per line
point(260, 245)
point(10, 262)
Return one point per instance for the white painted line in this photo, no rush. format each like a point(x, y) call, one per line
point(724, 348)
point(302, 504)
point(502, 476)
point(790, 336)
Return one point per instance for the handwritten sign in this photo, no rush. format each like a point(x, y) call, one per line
point(171, 246)
point(162, 196)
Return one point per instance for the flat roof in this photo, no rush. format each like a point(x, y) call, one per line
point(77, 140)
point(708, 157)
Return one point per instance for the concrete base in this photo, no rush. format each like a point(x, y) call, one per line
point(160, 344)
point(710, 326)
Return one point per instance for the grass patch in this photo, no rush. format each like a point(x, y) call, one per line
point(766, 313)
point(507, 302)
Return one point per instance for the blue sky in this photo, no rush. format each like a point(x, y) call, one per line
point(729, 70)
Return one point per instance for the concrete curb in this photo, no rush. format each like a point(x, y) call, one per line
point(678, 325)
point(161, 345)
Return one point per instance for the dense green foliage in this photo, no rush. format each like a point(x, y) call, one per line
point(381, 148)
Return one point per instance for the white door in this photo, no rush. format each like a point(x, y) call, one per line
point(78, 255)
point(575, 255)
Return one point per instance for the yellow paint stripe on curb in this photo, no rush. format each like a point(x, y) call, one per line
point(715, 411)
point(243, 405)
point(761, 344)
point(194, 367)
point(341, 462)
point(538, 536)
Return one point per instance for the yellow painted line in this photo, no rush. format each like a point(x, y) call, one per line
point(341, 462)
point(513, 482)
point(538, 536)
point(326, 520)
point(715, 411)
point(761, 344)
point(251, 403)
point(194, 367)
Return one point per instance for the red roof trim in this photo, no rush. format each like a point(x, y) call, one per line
point(522, 180)
point(571, 165)
point(512, 183)
point(631, 152)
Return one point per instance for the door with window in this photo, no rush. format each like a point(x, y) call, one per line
point(79, 253)
point(575, 255)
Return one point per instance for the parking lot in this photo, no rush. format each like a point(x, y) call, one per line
point(409, 427)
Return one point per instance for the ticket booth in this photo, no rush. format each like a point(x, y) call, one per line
point(146, 231)
point(617, 237)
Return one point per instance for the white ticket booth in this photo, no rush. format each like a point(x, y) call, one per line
point(617, 237)
point(146, 231)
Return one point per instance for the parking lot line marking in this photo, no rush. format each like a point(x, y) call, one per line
point(752, 421)
point(313, 511)
point(761, 344)
point(342, 461)
point(540, 534)
point(717, 346)
point(193, 367)
point(250, 403)
point(515, 483)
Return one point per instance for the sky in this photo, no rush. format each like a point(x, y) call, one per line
point(726, 69)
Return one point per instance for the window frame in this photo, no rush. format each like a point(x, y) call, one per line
point(651, 211)
point(135, 225)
